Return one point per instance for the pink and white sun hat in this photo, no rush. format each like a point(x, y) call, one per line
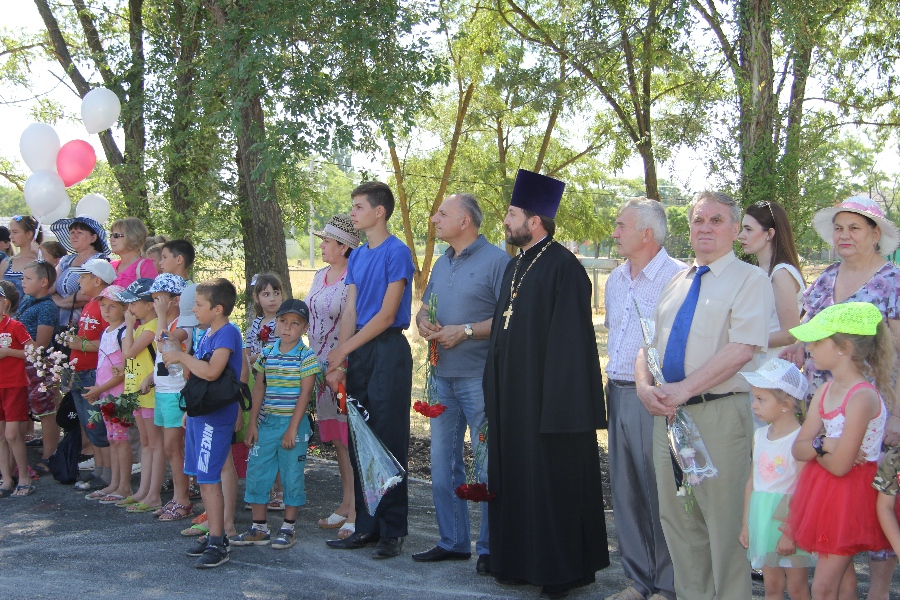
point(823, 221)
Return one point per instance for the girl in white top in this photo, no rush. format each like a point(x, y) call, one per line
point(766, 233)
point(777, 390)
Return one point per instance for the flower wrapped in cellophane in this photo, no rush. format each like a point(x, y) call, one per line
point(430, 405)
point(379, 471)
point(691, 462)
point(475, 488)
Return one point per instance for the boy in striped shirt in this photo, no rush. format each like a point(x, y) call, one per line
point(279, 430)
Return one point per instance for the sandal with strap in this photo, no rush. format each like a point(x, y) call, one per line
point(141, 507)
point(276, 501)
point(346, 530)
point(198, 526)
point(159, 511)
point(172, 513)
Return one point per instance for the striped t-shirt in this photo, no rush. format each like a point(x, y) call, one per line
point(284, 373)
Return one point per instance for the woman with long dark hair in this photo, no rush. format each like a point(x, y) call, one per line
point(766, 234)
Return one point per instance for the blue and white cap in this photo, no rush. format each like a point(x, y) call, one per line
point(138, 290)
point(167, 282)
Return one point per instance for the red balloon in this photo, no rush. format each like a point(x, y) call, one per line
point(75, 161)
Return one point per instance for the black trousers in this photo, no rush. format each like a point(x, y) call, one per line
point(379, 376)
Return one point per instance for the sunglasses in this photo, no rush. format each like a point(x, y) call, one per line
point(116, 235)
point(769, 206)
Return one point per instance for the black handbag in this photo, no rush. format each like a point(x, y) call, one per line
point(63, 462)
point(201, 397)
point(66, 416)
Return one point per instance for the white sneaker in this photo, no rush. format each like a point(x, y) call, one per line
point(87, 465)
point(135, 468)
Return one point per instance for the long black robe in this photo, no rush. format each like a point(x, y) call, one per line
point(543, 398)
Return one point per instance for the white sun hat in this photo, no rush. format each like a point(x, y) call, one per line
point(823, 221)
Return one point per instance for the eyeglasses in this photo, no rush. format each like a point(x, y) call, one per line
point(116, 235)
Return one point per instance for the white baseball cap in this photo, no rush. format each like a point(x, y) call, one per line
point(99, 267)
point(778, 374)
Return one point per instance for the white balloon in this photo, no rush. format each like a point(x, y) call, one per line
point(60, 213)
point(39, 146)
point(100, 109)
point(94, 206)
point(44, 193)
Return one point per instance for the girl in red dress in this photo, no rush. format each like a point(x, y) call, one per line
point(833, 508)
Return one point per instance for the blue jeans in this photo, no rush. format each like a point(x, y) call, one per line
point(464, 399)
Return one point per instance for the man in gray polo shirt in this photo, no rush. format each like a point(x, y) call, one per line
point(466, 282)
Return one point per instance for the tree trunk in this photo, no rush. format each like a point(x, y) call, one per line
point(790, 162)
point(265, 232)
point(757, 102)
point(261, 221)
point(177, 168)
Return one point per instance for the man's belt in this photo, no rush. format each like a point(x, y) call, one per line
point(707, 398)
point(622, 383)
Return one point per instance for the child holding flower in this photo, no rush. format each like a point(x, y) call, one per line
point(139, 354)
point(40, 315)
point(267, 293)
point(110, 384)
point(13, 395)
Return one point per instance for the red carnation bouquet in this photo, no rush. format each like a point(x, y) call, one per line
point(473, 489)
point(430, 406)
point(118, 410)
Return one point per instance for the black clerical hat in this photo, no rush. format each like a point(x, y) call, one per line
point(537, 193)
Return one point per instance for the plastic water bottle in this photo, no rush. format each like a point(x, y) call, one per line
point(170, 345)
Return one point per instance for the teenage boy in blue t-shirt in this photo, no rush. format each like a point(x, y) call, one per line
point(285, 378)
point(374, 359)
point(207, 438)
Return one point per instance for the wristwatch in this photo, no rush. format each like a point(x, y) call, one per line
point(469, 331)
point(817, 445)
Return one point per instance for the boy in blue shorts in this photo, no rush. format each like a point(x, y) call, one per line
point(286, 376)
point(207, 443)
point(374, 358)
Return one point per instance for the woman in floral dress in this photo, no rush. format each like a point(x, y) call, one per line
point(862, 236)
point(326, 300)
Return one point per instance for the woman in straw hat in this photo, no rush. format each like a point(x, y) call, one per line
point(326, 300)
point(861, 235)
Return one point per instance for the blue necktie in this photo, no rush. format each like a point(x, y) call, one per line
point(673, 365)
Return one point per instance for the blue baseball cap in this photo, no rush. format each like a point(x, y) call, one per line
point(138, 290)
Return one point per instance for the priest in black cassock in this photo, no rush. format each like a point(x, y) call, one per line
point(543, 397)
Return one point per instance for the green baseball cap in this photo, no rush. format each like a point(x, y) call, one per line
point(855, 318)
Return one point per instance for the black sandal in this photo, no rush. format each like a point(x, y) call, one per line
point(42, 467)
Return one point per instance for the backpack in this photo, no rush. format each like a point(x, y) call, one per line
point(64, 462)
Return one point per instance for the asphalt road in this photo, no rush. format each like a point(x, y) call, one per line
point(55, 544)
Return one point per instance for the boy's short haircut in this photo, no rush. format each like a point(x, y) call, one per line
point(218, 292)
point(11, 294)
point(43, 270)
point(182, 248)
point(378, 194)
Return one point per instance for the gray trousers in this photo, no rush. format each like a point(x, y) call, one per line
point(642, 545)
